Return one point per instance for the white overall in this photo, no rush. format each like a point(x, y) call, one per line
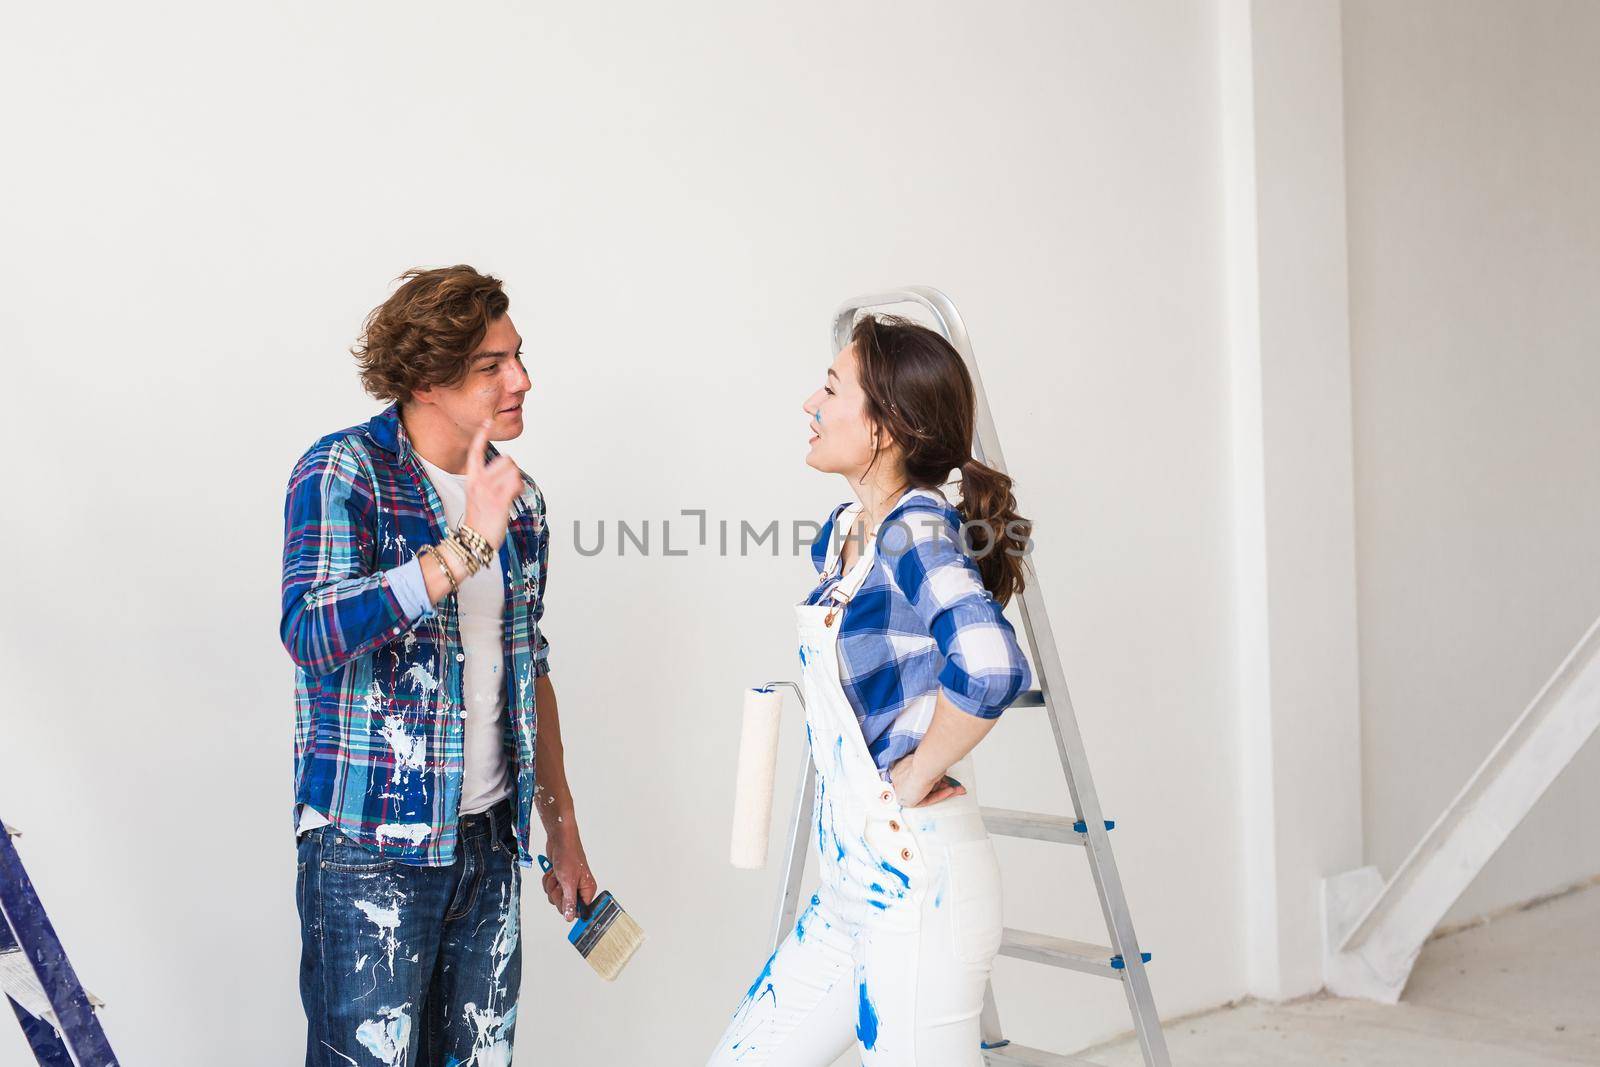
point(894, 951)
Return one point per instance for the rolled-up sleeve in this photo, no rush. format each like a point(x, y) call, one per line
point(541, 646)
point(410, 587)
point(984, 669)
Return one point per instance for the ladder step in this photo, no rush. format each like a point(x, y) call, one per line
point(1029, 698)
point(1061, 952)
point(1009, 823)
point(1010, 1055)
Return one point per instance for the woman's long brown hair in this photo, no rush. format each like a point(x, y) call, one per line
point(919, 393)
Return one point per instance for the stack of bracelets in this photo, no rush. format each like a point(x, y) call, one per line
point(467, 545)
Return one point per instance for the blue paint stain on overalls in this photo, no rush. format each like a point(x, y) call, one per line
point(764, 976)
point(866, 1019)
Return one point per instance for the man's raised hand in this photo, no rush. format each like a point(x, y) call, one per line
point(490, 489)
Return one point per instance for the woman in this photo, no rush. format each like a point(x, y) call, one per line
point(907, 663)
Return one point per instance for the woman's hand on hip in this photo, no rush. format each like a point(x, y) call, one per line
point(916, 789)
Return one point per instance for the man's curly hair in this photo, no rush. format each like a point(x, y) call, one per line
point(423, 334)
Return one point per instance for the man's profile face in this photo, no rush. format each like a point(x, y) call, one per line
point(493, 388)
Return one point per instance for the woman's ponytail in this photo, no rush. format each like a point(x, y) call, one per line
point(992, 533)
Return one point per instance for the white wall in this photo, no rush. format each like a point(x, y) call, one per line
point(201, 203)
point(1474, 247)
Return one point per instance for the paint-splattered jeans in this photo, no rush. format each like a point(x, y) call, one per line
point(895, 967)
point(410, 966)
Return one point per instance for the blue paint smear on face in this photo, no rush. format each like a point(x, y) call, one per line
point(866, 1020)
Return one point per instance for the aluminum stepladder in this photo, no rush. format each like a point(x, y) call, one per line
point(77, 1040)
point(1122, 961)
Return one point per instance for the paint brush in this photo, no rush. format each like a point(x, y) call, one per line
point(603, 933)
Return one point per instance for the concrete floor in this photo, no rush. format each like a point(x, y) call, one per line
point(1520, 991)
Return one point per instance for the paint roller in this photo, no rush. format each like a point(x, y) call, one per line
point(758, 765)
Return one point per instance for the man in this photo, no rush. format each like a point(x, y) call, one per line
point(413, 586)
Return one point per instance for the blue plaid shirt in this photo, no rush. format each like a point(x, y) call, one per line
point(921, 622)
point(378, 691)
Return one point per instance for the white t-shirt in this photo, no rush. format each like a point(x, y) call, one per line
point(486, 773)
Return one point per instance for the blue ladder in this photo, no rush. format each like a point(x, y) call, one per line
point(79, 1041)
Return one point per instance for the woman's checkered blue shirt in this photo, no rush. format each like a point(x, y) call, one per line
point(920, 623)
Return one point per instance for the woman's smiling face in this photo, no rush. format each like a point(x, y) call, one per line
point(841, 433)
